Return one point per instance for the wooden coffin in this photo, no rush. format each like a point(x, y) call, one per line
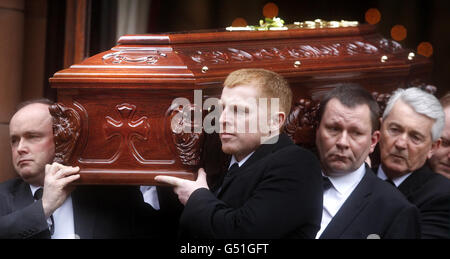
point(114, 111)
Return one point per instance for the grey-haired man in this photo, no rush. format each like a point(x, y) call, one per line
point(411, 126)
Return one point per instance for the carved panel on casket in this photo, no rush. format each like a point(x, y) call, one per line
point(187, 143)
point(66, 130)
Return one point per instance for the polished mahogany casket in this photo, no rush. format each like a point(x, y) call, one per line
point(115, 117)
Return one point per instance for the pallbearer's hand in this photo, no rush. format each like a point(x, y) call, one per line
point(56, 185)
point(182, 187)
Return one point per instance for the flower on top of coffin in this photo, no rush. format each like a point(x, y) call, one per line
point(277, 23)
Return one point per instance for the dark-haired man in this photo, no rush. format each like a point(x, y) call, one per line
point(357, 204)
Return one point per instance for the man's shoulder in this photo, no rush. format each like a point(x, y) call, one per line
point(293, 150)
point(381, 192)
point(11, 185)
point(430, 182)
point(441, 181)
point(284, 151)
point(282, 158)
point(387, 194)
point(293, 156)
point(438, 188)
point(291, 161)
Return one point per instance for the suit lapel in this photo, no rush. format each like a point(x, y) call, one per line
point(416, 180)
point(223, 171)
point(23, 196)
point(260, 153)
point(228, 179)
point(351, 208)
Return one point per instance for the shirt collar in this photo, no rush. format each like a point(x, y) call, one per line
point(240, 163)
point(344, 183)
point(397, 181)
point(34, 189)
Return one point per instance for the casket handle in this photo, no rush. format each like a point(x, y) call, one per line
point(120, 56)
point(140, 59)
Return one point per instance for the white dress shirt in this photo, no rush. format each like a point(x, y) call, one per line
point(63, 219)
point(397, 181)
point(334, 198)
point(150, 196)
point(240, 163)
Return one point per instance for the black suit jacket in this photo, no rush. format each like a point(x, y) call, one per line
point(99, 212)
point(430, 192)
point(277, 193)
point(161, 224)
point(374, 207)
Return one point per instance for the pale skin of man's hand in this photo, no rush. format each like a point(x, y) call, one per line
point(182, 187)
point(56, 186)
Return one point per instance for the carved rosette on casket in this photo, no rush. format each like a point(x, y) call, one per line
point(186, 133)
point(383, 98)
point(424, 86)
point(302, 122)
point(66, 130)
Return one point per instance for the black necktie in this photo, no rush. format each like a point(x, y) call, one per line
point(233, 168)
point(326, 183)
point(37, 196)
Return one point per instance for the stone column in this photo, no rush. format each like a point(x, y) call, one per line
point(11, 58)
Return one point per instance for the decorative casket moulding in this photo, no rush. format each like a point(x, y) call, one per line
point(115, 115)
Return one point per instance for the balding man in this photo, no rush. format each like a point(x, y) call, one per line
point(42, 203)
